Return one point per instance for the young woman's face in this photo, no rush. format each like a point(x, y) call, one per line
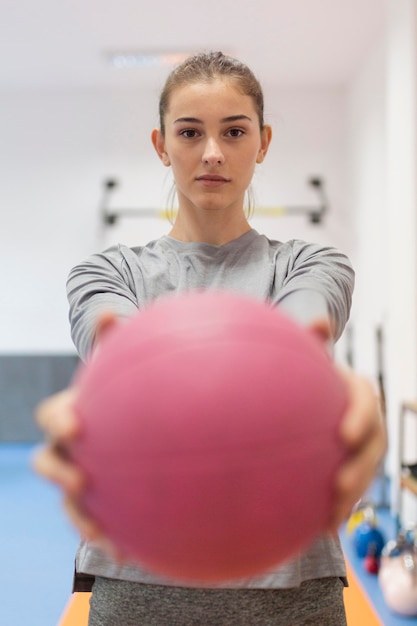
point(212, 142)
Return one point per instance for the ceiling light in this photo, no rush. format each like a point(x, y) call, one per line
point(134, 59)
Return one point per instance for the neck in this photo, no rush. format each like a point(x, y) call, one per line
point(214, 228)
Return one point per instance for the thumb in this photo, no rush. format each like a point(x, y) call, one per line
point(321, 329)
point(106, 322)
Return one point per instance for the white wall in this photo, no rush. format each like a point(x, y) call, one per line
point(382, 148)
point(368, 206)
point(402, 219)
point(55, 150)
point(58, 147)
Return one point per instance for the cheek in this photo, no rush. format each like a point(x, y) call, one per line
point(247, 166)
point(179, 168)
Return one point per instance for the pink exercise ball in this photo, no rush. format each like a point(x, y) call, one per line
point(209, 436)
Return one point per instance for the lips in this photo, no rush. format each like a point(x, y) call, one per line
point(212, 180)
point(213, 177)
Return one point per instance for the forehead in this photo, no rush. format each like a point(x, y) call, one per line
point(218, 97)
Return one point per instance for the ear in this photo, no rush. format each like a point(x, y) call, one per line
point(266, 136)
point(159, 145)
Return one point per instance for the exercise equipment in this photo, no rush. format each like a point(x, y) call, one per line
point(357, 516)
point(398, 575)
point(368, 539)
point(372, 563)
point(315, 214)
point(209, 436)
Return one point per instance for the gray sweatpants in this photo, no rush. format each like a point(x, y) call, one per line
point(120, 603)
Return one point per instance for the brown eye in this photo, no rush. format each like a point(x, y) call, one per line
point(189, 133)
point(235, 132)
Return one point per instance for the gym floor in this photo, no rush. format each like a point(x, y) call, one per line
point(37, 549)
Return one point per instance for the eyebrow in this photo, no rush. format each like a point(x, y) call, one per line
point(230, 118)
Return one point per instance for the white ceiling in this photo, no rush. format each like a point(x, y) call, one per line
point(62, 43)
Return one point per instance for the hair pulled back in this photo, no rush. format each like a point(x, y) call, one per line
point(206, 67)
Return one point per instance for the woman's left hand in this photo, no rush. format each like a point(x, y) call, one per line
point(363, 433)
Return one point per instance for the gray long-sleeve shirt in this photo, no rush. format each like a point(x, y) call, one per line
point(307, 280)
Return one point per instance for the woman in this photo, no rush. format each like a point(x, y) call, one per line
point(212, 134)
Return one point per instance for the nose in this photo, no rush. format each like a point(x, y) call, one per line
point(212, 154)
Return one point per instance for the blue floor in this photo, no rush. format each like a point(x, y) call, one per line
point(38, 544)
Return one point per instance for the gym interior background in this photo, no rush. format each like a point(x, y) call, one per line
point(340, 83)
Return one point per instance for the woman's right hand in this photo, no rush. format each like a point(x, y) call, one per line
point(56, 418)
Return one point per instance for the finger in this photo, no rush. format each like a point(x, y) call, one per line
point(90, 530)
point(363, 418)
point(48, 463)
point(357, 474)
point(84, 524)
point(105, 323)
point(354, 478)
point(56, 417)
point(322, 329)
